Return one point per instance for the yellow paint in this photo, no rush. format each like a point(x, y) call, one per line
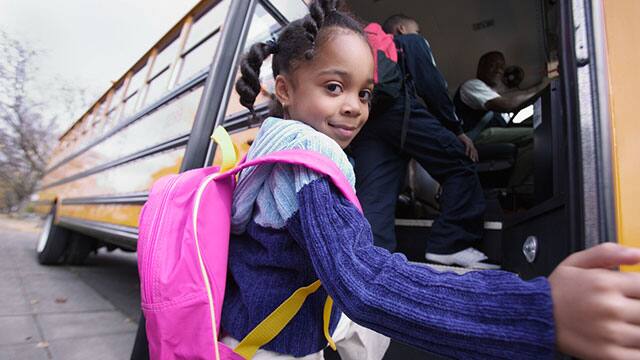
point(623, 57)
point(39, 205)
point(42, 209)
point(168, 170)
point(125, 215)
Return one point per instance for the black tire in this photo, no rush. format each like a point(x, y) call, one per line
point(79, 248)
point(52, 243)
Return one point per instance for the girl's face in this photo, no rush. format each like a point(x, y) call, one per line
point(331, 93)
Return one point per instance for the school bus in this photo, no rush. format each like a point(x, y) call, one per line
point(158, 117)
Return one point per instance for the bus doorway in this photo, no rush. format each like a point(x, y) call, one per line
point(528, 231)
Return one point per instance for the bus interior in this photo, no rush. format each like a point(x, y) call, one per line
point(526, 230)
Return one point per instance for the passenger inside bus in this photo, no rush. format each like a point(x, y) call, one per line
point(483, 105)
point(504, 163)
point(420, 124)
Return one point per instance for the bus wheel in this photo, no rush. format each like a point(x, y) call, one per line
point(79, 248)
point(52, 242)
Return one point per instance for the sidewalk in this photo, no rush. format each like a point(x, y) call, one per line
point(87, 312)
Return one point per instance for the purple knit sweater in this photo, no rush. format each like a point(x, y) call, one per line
point(489, 314)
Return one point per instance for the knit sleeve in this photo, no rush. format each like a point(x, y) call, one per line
point(478, 315)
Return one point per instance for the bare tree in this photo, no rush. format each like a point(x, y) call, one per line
point(25, 131)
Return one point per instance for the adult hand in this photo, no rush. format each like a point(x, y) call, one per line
point(596, 309)
point(469, 148)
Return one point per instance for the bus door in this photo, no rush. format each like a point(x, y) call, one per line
point(532, 237)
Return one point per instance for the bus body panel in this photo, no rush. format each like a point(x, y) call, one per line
point(623, 56)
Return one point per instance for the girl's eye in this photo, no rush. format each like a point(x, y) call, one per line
point(365, 95)
point(334, 88)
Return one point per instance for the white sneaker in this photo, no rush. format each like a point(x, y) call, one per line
point(468, 258)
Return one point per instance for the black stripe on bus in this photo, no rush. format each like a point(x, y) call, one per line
point(273, 10)
point(194, 82)
point(124, 236)
point(128, 199)
point(200, 42)
point(168, 145)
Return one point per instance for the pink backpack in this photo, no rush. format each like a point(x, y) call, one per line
point(384, 48)
point(182, 260)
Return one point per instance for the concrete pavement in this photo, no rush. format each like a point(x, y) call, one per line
point(64, 312)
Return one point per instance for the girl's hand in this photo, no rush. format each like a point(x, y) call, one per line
point(596, 309)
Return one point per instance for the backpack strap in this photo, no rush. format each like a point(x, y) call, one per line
point(228, 149)
point(406, 77)
point(273, 324)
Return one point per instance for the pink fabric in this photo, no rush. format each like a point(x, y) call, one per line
point(174, 297)
point(380, 41)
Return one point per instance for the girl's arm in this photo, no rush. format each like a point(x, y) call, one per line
point(476, 315)
point(488, 314)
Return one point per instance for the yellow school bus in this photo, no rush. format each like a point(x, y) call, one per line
point(157, 119)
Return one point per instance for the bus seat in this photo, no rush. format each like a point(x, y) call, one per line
point(421, 185)
point(494, 168)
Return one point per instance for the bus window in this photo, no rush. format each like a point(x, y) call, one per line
point(164, 124)
point(130, 105)
point(116, 99)
point(110, 120)
point(84, 126)
point(159, 79)
point(291, 10)
point(112, 114)
point(263, 27)
point(133, 92)
point(94, 125)
point(198, 57)
point(201, 42)
point(207, 24)
point(129, 102)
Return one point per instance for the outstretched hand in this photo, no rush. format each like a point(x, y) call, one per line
point(597, 309)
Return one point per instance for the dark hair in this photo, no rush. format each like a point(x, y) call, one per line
point(391, 24)
point(297, 43)
point(486, 61)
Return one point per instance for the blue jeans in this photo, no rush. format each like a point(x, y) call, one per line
point(380, 167)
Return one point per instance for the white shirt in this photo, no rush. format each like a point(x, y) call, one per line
point(475, 94)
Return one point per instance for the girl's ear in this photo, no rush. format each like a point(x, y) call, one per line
point(283, 90)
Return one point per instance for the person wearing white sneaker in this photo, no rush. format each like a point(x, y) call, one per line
point(468, 258)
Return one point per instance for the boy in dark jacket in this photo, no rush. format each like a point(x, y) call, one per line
point(434, 138)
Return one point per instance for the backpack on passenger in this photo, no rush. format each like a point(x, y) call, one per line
point(390, 74)
point(182, 258)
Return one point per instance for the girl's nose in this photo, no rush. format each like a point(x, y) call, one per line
point(351, 106)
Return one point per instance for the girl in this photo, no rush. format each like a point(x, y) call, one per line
point(292, 227)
